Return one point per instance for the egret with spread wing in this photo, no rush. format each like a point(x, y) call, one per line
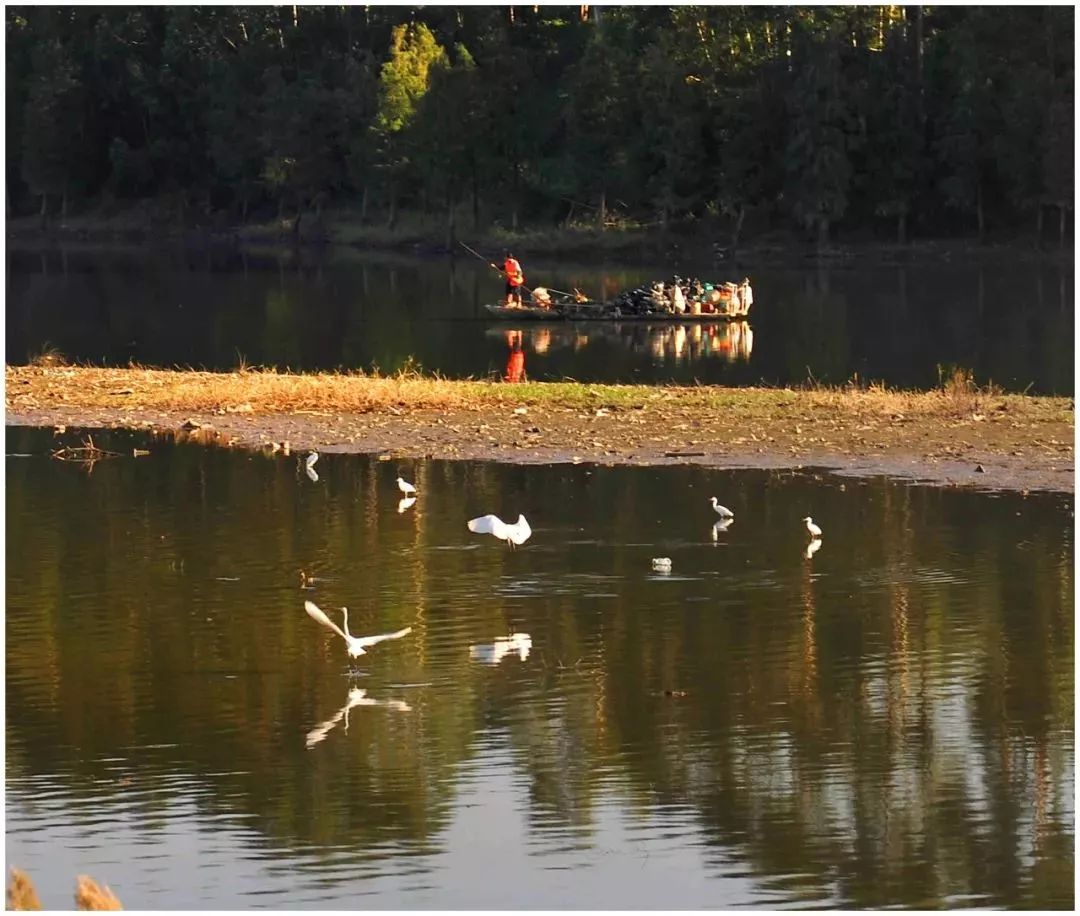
point(357, 644)
point(515, 534)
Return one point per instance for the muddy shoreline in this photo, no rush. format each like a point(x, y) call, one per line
point(541, 436)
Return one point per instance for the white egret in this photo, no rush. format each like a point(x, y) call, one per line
point(407, 488)
point(312, 474)
point(405, 502)
point(357, 697)
point(515, 534)
point(722, 511)
point(311, 459)
point(662, 563)
point(815, 531)
point(813, 547)
point(357, 644)
point(493, 653)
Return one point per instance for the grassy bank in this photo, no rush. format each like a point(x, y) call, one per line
point(265, 391)
point(956, 434)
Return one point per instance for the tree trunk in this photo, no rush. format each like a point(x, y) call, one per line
point(979, 215)
point(296, 225)
point(823, 233)
point(736, 233)
point(364, 205)
point(603, 210)
point(450, 237)
point(475, 199)
point(391, 219)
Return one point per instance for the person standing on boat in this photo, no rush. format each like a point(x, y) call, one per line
point(747, 295)
point(515, 279)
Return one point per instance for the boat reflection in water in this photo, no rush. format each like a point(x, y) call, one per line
point(665, 342)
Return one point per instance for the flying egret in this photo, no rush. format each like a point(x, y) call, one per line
point(813, 547)
point(357, 644)
point(722, 511)
point(405, 502)
point(493, 653)
point(815, 531)
point(515, 534)
point(407, 488)
point(357, 697)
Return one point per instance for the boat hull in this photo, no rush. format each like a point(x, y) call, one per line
point(598, 312)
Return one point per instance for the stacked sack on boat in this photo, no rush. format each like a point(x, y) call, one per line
point(686, 297)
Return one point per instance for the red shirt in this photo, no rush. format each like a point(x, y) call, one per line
point(512, 269)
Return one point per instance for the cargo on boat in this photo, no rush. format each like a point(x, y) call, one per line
point(680, 300)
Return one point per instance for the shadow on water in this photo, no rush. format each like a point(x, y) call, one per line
point(1012, 324)
point(886, 722)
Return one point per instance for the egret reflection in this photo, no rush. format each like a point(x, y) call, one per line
point(357, 697)
point(405, 502)
point(493, 653)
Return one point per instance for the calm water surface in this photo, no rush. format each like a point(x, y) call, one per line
point(1011, 323)
point(887, 723)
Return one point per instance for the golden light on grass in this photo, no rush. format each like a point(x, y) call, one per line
point(89, 895)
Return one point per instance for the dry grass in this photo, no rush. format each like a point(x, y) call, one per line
point(89, 895)
point(270, 392)
point(20, 893)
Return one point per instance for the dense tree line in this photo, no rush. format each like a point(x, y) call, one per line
point(900, 119)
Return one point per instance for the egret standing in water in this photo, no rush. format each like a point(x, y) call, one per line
point(357, 644)
point(815, 531)
point(407, 488)
point(311, 459)
point(722, 511)
point(515, 534)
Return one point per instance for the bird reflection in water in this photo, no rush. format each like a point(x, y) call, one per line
point(493, 653)
point(357, 697)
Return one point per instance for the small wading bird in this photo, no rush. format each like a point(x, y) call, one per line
point(815, 531)
point(357, 644)
point(407, 488)
point(493, 653)
point(311, 459)
point(722, 511)
point(515, 534)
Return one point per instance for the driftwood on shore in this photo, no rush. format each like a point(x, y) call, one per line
point(89, 895)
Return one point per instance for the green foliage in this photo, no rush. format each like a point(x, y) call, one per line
point(826, 117)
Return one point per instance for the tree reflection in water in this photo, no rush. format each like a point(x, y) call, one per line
point(888, 723)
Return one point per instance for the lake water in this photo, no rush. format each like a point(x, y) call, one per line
point(1011, 323)
point(888, 722)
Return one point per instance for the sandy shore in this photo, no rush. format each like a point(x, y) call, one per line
point(959, 436)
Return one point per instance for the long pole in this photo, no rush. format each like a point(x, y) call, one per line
point(491, 264)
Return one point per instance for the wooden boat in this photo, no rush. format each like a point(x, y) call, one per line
point(599, 311)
